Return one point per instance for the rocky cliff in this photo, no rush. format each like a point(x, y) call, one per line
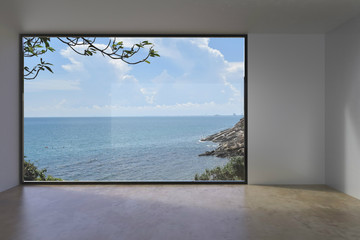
point(231, 141)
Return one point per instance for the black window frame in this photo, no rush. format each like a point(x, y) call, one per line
point(21, 109)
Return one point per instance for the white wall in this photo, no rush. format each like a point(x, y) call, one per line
point(9, 108)
point(343, 108)
point(286, 109)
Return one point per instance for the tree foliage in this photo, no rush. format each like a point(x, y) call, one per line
point(32, 173)
point(114, 49)
point(233, 170)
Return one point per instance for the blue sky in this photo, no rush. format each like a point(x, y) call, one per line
point(193, 76)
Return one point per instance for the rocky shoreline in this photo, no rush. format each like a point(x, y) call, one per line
point(231, 141)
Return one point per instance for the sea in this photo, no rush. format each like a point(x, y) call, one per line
point(123, 148)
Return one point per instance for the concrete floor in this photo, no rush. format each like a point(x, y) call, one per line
point(174, 212)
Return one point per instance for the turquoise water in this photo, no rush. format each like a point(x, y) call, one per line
point(123, 148)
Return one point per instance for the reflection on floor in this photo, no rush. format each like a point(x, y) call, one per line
point(173, 212)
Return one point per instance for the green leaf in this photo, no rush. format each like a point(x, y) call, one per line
point(47, 45)
point(49, 69)
point(147, 61)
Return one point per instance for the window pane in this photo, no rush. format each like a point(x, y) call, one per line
point(134, 109)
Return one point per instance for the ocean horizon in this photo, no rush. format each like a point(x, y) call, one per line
point(144, 148)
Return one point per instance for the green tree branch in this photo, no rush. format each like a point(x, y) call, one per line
point(114, 49)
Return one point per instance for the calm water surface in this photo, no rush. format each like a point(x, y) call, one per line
point(123, 148)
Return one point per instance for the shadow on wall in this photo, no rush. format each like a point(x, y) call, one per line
point(352, 130)
point(343, 112)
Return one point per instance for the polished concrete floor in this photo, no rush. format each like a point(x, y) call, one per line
point(171, 212)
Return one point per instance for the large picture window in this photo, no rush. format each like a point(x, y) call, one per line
point(134, 108)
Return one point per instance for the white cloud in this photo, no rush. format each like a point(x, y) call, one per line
point(195, 80)
point(149, 99)
point(96, 107)
point(235, 67)
point(60, 104)
point(74, 65)
point(121, 69)
point(206, 76)
point(235, 91)
point(52, 85)
point(179, 109)
point(231, 75)
point(77, 65)
point(149, 95)
point(144, 91)
point(203, 43)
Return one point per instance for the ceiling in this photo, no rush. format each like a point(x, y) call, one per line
point(177, 16)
